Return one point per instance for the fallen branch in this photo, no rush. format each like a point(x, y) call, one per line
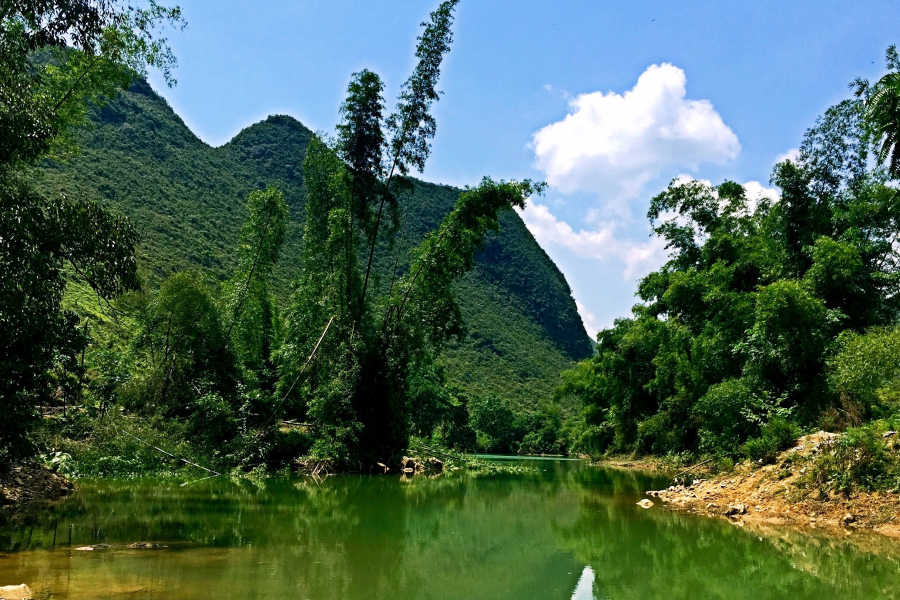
point(695, 466)
point(184, 460)
point(444, 454)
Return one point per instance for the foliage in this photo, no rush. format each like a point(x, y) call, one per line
point(866, 370)
point(882, 109)
point(252, 312)
point(204, 357)
point(53, 57)
point(860, 459)
point(188, 203)
point(352, 363)
point(776, 436)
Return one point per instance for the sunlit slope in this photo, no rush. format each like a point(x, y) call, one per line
point(187, 201)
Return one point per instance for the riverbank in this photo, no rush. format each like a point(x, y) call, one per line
point(30, 484)
point(787, 492)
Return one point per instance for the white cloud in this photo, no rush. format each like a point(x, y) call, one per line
point(589, 319)
point(600, 244)
point(755, 191)
point(792, 155)
point(615, 144)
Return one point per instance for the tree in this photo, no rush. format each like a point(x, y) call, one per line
point(412, 125)
point(882, 111)
point(354, 362)
point(252, 314)
point(54, 56)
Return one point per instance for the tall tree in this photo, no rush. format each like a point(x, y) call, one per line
point(352, 364)
point(412, 126)
point(251, 310)
point(883, 111)
point(54, 56)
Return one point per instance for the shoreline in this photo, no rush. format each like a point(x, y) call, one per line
point(776, 494)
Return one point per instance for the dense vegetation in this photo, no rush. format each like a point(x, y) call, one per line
point(53, 57)
point(327, 326)
point(770, 317)
point(187, 203)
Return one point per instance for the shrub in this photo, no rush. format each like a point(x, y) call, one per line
point(725, 413)
point(778, 435)
point(860, 459)
point(212, 420)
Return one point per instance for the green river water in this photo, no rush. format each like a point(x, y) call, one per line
point(564, 530)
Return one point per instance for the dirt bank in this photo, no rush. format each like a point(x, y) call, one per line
point(780, 494)
point(30, 484)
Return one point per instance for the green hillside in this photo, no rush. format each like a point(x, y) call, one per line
point(187, 200)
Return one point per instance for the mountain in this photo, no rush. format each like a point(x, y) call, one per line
point(187, 198)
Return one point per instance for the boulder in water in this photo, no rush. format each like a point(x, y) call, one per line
point(15, 592)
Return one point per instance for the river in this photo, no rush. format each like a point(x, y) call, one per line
point(561, 530)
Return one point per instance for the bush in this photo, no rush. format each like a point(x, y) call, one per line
point(865, 373)
point(212, 420)
point(725, 413)
point(778, 435)
point(860, 459)
point(493, 420)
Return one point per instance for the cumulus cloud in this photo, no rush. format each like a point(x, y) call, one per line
point(792, 155)
point(601, 243)
point(614, 144)
point(755, 191)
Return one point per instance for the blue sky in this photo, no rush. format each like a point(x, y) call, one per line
point(607, 101)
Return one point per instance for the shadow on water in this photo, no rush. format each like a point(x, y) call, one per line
point(560, 530)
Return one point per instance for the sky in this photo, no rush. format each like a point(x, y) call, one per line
point(606, 101)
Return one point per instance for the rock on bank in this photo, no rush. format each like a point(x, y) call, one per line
point(30, 483)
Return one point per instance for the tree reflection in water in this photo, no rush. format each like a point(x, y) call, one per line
point(562, 531)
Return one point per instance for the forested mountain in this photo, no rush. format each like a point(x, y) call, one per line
point(187, 201)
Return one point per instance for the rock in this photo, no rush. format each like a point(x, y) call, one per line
point(412, 464)
point(645, 503)
point(848, 518)
point(712, 506)
point(15, 592)
point(735, 509)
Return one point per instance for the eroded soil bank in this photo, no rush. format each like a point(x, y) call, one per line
point(781, 493)
point(29, 485)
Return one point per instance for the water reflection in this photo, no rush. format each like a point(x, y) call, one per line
point(562, 531)
point(585, 588)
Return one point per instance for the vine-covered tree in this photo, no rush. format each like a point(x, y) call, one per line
point(353, 361)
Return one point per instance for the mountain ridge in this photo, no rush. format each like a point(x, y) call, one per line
point(187, 198)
